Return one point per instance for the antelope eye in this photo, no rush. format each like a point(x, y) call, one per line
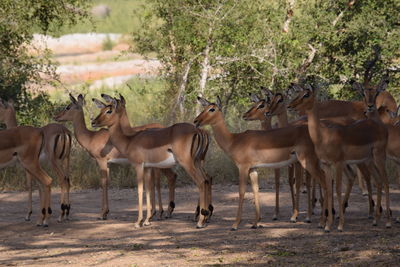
point(68, 108)
point(280, 100)
point(211, 109)
point(306, 95)
point(109, 111)
point(261, 106)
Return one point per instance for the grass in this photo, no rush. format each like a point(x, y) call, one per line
point(122, 19)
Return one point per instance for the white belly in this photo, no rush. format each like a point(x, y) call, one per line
point(357, 161)
point(43, 157)
point(8, 163)
point(119, 161)
point(276, 165)
point(167, 163)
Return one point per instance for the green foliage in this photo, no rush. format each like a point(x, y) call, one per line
point(248, 48)
point(20, 63)
point(121, 19)
point(107, 44)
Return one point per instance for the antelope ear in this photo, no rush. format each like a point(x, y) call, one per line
point(383, 84)
point(3, 104)
point(397, 111)
point(98, 103)
point(10, 103)
point(309, 87)
point(122, 100)
point(254, 98)
point(358, 87)
point(204, 102)
point(107, 98)
point(72, 98)
point(81, 100)
point(114, 103)
point(219, 103)
point(267, 92)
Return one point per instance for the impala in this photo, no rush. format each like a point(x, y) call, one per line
point(129, 130)
point(278, 108)
point(57, 148)
point(336, 145)
point(97, 144)
point(180, 143)
point(25, 144)
point(253, 149)
point(257, 112)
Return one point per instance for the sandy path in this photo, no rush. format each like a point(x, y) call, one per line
point(175, 242)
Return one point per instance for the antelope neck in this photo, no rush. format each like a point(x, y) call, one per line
point(266, 123)
point(118, 138)
point(11, 120)
point(124, 121)
point(282, 119)
point(82, 134)
point(314, 123)
point(222, 135)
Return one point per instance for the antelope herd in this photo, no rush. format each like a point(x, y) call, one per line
point(329, 139)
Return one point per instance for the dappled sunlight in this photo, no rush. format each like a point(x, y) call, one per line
point(85, 240)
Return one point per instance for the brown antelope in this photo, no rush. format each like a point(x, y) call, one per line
point(97, 144)
point(337, 145)
point(127, 129)
point(253, 149)
point(391, 120)
point(278, 107)
point(257, 112)
point(180, 143)
point(347, 112)
point(56, 150)
point(25, 144)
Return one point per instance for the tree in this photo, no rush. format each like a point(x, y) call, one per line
point(232, 47)
point(19, 62)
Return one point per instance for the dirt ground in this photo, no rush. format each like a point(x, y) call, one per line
point(84, 240)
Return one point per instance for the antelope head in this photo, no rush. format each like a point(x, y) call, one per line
point(121, 101)
point(108, 114)
point(389, 117)
point(6, 109)
point(304, 100)
point(369, 94)
point(256, 112)
point(71, 110)
point(211, 114)
point(277, 105)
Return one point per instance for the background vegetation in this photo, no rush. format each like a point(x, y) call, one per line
point(209, 47)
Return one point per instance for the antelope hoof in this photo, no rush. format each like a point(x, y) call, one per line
point(327, 230)
point(200, 225)
point(398, 220)
point(340, 228)
point(374, 223)
point(146, 223)
point(388, 225)
point(137, 225)
point(45, 225)
point(275, 218)
point(365, 194)
point(307, 220)
point(28, 216)
point(160, 215)
point(293, 220)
